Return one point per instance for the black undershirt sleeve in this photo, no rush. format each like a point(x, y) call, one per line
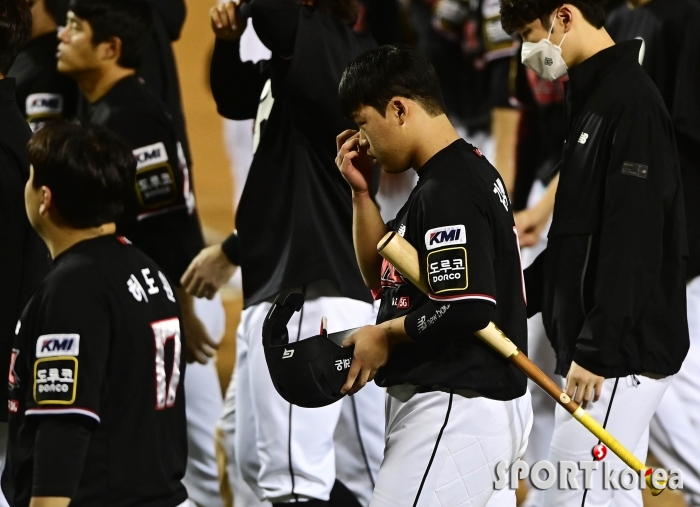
point(59, 455)
point(435, 319)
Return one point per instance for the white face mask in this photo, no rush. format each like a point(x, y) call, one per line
point(544, 57)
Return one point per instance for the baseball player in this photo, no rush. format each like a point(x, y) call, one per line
point(100, 49)
point(611, 282)
point(454, 407)
point(43, 93)
point(294, 231)
point(96, 375)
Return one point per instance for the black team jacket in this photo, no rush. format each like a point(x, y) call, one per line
point(611, 283)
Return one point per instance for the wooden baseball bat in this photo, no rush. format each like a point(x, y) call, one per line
point(404, 258)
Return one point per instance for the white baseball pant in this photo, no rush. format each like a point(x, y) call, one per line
point(540, 351)
point(204, 403)
point(633, 406)
point(674, 432)
point(283, 451)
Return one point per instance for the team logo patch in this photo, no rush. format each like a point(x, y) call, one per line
point(445, 236)
point(447, 270)
point(155, 186)
point(44, 104)
point(55, 380)
point(52, 345)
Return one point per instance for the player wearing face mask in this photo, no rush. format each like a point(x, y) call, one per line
point(611, 282)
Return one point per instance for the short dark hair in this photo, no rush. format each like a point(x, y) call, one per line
point(89, 169)
point(515, 14)
point(15, 30)
point(129, 20)
point(377, 75)
point(57, 9)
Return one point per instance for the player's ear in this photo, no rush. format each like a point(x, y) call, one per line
point(399, 109)
point(564, 16)
point(111, 49)
point(46, 200)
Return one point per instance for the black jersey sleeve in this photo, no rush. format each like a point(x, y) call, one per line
point(457, 255)
point(69, 350)
point(236, 85)
point(457, 250)
point(162, 219)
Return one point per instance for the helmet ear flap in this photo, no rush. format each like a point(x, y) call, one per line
point(277, 318)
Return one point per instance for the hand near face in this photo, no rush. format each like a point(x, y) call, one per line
point(353, 161)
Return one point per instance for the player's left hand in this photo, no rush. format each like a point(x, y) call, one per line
point(371, 353)
point(583, 386)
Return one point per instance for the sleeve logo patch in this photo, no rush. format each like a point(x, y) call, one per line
point(52, 345)
point(55, 380)
point(147, 156)
point(447, 270)
point(44, 104)
point(445, 236)
point(638, 170)
point(155, 186)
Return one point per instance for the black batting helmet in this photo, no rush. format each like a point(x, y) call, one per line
point(309, 372)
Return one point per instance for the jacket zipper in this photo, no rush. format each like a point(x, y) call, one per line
point(583, 273)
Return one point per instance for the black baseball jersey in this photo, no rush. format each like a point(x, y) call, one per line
point(458, 218)
point(43, 93)
point(294, 220)
point(101, 339)
point(161, 217)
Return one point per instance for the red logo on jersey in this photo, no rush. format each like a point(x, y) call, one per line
point(403, 302)
point(391, 277)
point(478, 152)
point(13, 406)
point(123, 240)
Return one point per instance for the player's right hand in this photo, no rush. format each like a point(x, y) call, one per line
point(207, 273)
point(224, 22)
point(353, 161)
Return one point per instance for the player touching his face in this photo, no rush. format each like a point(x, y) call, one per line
point(447, 390)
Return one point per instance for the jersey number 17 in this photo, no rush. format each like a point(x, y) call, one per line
point(166, 391)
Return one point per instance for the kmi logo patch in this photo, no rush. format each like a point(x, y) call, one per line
point(150, 155)
point(52, 345)
point(44, 103)
point(445, 236)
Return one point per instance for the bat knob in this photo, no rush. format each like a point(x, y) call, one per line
point(654, 490)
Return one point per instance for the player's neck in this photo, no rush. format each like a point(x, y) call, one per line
point(98, 83)
point(58, 239)
point(436, 135)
